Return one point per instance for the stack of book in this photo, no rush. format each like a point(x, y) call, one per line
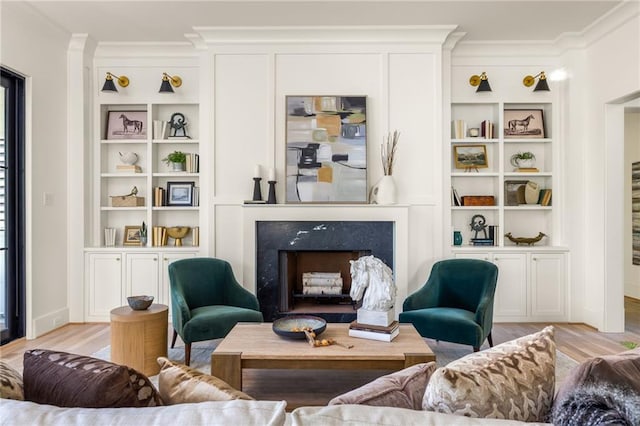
point(527, 169)
point(545, 197)
point(374, 332)
point(159, 236)
point(192, 163)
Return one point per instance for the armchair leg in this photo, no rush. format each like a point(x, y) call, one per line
point(476, 349)
point(173, 340)
point(490, 339)
point(187, 354)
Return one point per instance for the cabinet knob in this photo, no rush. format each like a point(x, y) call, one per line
point(496, 258)
point(118, 259)
point(155, 259)
point(534, 258)
point(166, 260)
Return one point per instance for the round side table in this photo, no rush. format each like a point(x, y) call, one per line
point(139, 337)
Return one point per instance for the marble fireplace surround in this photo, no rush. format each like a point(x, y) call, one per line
point(330, 223)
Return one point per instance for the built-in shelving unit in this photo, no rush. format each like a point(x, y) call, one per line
point(153, 172)
point(499, 177)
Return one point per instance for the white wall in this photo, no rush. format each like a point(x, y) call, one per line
point(631, 155)
point(606, 71)
point(38, 50)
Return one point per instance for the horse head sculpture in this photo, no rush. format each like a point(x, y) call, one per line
point(372, 281)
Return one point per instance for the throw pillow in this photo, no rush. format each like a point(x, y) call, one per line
point(598, 404)
point(514, 380)
point(620, 370)
point(68, 380)
point(10, 383)
point(179, 384)
point(404, 389)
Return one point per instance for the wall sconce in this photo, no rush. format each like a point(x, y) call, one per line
point(168, 81)
point(542, 82)
point(109, 85)
point(481, 81)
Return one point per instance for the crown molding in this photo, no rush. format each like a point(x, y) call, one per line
point(145, 49)
point(326, 34)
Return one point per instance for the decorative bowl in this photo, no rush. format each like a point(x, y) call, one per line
point(128, 157)
point(140, 303)
point(178, 233)
point(285, 326)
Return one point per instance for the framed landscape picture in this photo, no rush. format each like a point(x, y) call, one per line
point(470, 156)
point(326, 149)
point(131, 236)
point(127, 125)
point(523, 123)
point(180, 193)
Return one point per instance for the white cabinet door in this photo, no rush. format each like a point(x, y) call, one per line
point(104, 284)
point(548, 286)
point(167, 258)
point(142, 275)
point(511, 291)
point(510, 303)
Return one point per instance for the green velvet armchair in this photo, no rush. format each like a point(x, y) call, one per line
point(207, 301)
point(456, 303)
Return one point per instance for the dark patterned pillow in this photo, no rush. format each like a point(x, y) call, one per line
point(10, 383)
point(68, 380)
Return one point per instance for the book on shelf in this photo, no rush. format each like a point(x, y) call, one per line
point(159, 196)
point(195, 196)
point(374, 335)
point(129, 168)
point(482, 241)
point(455, 198)
point(527, 170)
point(487, 128)
point(545, 197)
point(355, 325)
point(459, 129)
point(192, 163)
point(195, 235)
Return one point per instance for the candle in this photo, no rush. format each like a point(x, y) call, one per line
point(272, 174)
point(256, 171)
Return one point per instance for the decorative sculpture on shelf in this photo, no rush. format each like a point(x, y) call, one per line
point(478, 223)
point(373, 279)
point(525, 240)
point(178, 126)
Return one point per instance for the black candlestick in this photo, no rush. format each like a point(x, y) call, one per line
point(257, 192)
point(272, 192)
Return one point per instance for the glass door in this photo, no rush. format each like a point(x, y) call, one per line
point(12, 207)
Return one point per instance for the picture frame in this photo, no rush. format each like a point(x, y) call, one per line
point(470, 156)
point(326, 149)
point(180, 193)
point(127, 125)
point(131, 236)
point(524, 123)
point(514, 192)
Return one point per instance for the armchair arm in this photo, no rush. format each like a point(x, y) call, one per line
point(237, 295)
point(425, 297)
point(484, 314)
point(181, 313)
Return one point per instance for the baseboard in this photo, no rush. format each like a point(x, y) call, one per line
point(632, 290)
point(51, 321)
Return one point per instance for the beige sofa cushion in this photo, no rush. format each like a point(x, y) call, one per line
point(259, 413)
point(10, 382)
point(404, 389)
point(514, 380)
point(178, 384)
point(358, 415)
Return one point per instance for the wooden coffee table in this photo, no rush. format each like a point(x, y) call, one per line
point(255, 345)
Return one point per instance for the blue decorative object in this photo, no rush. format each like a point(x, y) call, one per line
point(457, 238)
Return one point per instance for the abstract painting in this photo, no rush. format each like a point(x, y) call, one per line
point(326, 149)
point(635, 211)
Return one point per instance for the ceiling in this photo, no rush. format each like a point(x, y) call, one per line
point(169, 20)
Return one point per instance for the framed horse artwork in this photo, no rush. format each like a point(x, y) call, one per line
point(523, 123)
point(127, 125)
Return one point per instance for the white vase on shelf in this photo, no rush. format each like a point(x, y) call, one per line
point(384, 191)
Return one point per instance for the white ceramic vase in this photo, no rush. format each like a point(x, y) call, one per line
point(384, 192)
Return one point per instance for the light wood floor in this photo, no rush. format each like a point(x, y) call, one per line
point(578, 341)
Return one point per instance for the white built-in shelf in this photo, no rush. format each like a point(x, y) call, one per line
point(474, 174)
point(161, 141)
point(123, 175)
point(474, 207)
point(175, 174)
point(475, 140)
point(525, 174)
point(545, 140)
point(528, 207)
point(124, 141)
point(174, 208)
point(121, 209)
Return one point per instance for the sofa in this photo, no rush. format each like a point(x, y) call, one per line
point(512, 383)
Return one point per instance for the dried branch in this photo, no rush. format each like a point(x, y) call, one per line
point(388, 152)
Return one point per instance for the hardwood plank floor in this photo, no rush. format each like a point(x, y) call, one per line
point(578, 341)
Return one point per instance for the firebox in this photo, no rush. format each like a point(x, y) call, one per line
point(299, 265)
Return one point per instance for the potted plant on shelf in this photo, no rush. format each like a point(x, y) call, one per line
point(143, 234)
point(176, 159)
point(524, 159)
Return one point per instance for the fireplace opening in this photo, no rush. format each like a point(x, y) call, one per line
point(314, 281)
